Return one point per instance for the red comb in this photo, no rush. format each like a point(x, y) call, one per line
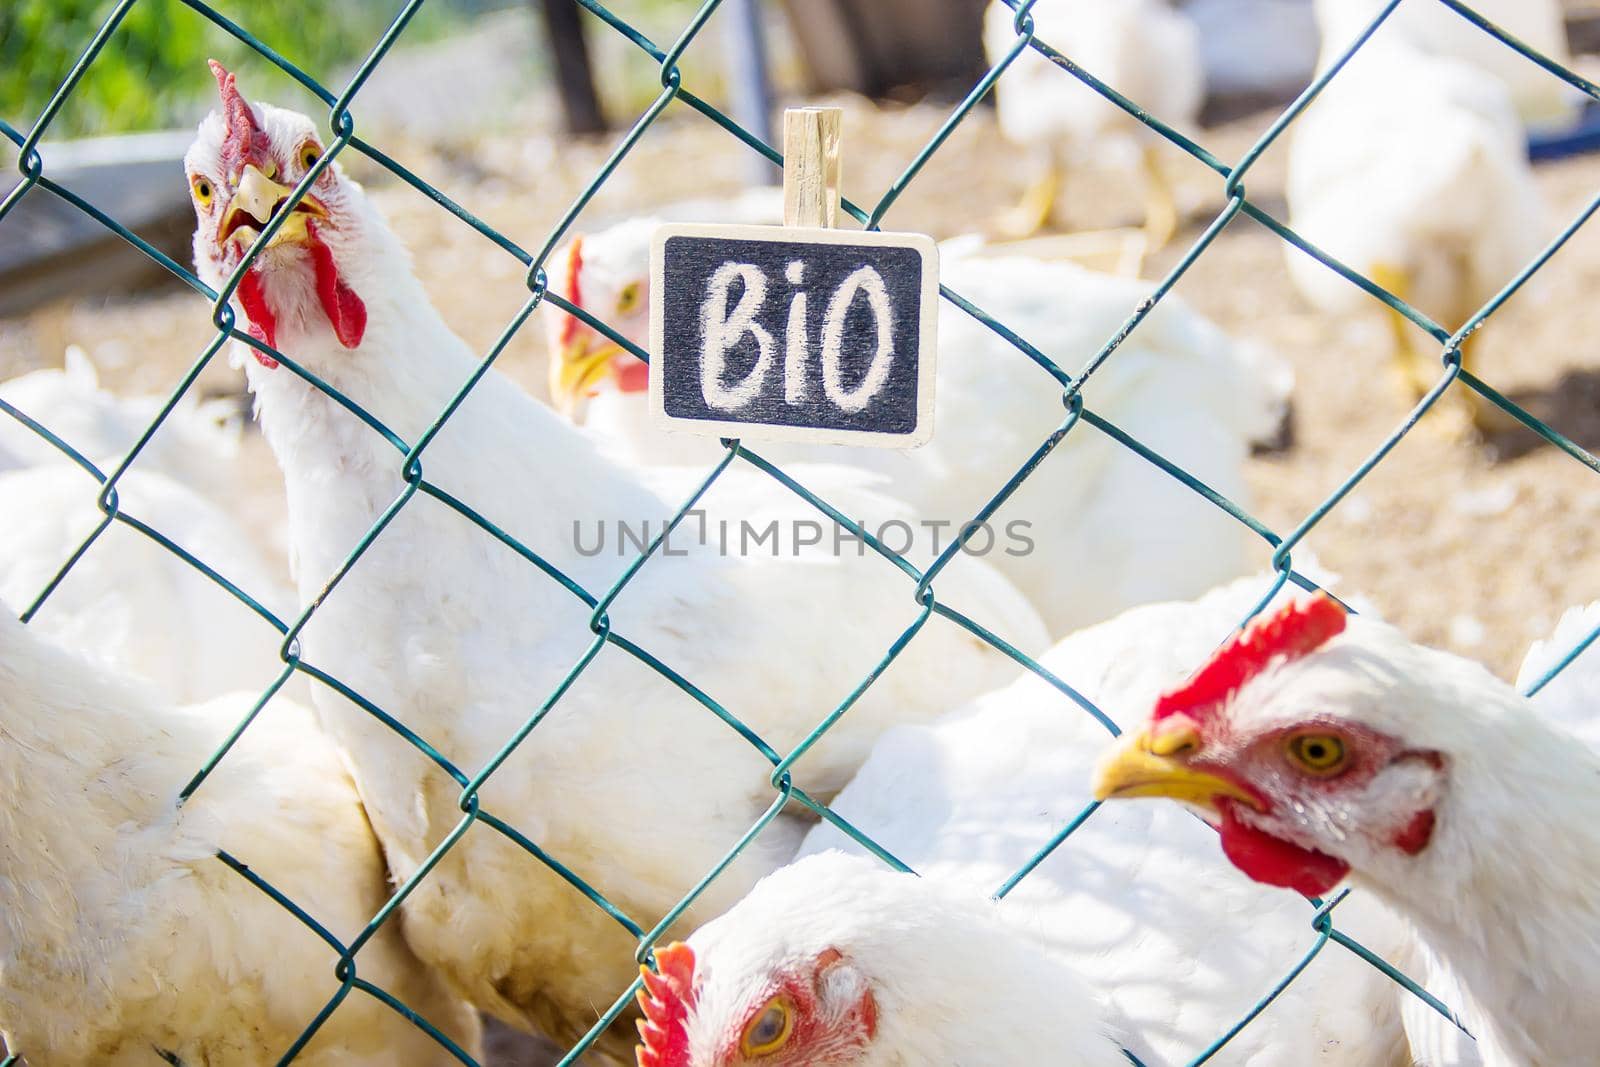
point(574, 293)
point(666, 1000)
point(1296, 629)
point(240, 139)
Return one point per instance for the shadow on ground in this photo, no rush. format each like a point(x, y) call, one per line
point(505, 1047)
point(1571, 405)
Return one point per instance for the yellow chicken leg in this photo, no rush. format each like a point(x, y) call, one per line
point(1457, 413)
point(1160, 205)
point(1033, 211)
point(1410, 363)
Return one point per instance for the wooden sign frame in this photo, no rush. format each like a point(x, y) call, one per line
point(757, 431)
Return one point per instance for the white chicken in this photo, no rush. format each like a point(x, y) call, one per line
point(1326, 746)
point(1134, 900)
point(127, 941)
point(1144, 49)
point(196, 444)
point(1177, 384)
point(1411, 168)
point(838, 960)
point(1541, 99)
point(129, 601)
point(627, 780)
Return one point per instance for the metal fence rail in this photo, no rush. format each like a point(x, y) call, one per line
point(410, 455)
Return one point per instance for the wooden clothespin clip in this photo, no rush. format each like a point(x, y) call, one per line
point(812, 163)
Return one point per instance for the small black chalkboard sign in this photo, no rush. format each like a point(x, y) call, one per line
point(787, 333)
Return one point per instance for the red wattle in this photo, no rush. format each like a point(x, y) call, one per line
point(1274, 861)
point(1415, 835)
point(345, 310)
point(633, 374)
point(263, 323)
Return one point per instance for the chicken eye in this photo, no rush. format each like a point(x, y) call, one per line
point(310, 152)
point(769, 1031)
point(629, 299)
point(1319, 754)
point(202, 190)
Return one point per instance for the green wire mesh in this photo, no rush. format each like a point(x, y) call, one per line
point(410, 456)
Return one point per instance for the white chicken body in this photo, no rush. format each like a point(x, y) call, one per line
point(1144, 49)
point(461, 638)
point(1572, 698)
point(124, 937)
point(1567, 701)
point(1136, 900)
point(130, 602)
point(1415, 164)
point(1541, 99)
point(1177, 384)
point(192, 446)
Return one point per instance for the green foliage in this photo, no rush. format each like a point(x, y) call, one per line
point(153, 73)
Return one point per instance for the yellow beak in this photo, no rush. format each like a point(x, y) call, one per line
point(578, 367)
point(1146, 764)
point(253, 205)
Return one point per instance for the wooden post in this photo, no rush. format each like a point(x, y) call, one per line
point(871, 46)
point(811, 166)
point(563, 24)
point(750, 80)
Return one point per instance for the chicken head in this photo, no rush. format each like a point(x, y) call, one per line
point(1294, 738)
point(602, 276)
point(242, 169)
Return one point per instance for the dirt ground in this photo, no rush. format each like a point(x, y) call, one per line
point(1473, 546)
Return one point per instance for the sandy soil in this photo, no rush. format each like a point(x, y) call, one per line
point(1474, 546)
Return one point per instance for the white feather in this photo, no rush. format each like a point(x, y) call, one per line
point(129, 601)
point(1144, 49)
point(196, 444)
point(1571, 698)
point(121, 932)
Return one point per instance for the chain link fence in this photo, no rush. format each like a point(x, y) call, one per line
point(1078, 419)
